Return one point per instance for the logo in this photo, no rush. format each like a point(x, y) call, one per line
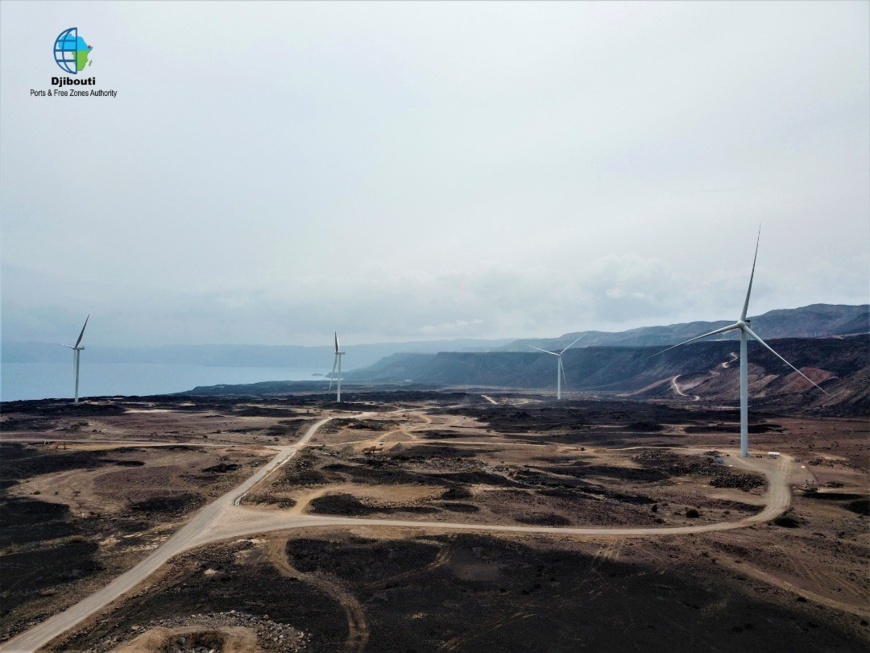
point(71, 52)
point(72, 55)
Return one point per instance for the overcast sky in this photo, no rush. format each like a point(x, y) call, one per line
point(272, 171)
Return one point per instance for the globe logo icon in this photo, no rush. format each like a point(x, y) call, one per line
point(71, 52)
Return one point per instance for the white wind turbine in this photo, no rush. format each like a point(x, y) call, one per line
point(336, 362)
point(743, 325)
point(77, 349)
point(560, 369)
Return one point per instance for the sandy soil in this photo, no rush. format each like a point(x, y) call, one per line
point(486, 461)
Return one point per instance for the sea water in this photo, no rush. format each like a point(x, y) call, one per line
point(54, 380)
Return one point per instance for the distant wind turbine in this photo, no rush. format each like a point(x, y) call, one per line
point(336, 362)
point(560, 369)
point(77, 349)
point(743, 325)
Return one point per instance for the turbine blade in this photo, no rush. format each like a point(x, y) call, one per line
point(771, 350)
point(751, 277)
point(332, 374)
point(336, 342)
point(552, 353)
point(78, 342)
point(564, 376)
point(571, 345)
point(706, 335)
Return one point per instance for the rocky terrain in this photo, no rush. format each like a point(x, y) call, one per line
point(707, 370)
point(90, 489)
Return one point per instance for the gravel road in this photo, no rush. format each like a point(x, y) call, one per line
point(224, 518)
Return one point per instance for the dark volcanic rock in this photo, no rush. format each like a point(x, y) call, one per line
point(24, 520)
point(545, 519)
point(177, 503)
point(19, 462)
point(221, 468)
point(45, 569)
point(349, 506)
point(741, 481)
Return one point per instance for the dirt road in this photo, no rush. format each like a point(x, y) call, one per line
point(224, 518)
point(240, 522)
point(679, 391)
point(187, 537)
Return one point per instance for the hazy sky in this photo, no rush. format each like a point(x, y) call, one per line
point(272, 171)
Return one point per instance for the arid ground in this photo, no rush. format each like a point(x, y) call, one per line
point(634, 525)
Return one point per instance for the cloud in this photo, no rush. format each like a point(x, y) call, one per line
point(408, 170)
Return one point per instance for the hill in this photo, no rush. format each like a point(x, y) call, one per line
point(707, 370)
point(814, 321)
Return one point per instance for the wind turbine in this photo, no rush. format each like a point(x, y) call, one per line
point(336, 362)
point(743, 326)
point(77, 349)
point(560, 369)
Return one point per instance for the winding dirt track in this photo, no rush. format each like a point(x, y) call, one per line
point(224, 518)
point(354, 614)
point(679, 390)
point(237, 522)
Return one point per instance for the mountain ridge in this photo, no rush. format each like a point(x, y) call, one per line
point(812, 321)
point(707, 369)
point(815, 320)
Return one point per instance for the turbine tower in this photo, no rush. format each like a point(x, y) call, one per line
point(560, 369)
point(336, 363)
point(77, 349)
point(743, 326)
